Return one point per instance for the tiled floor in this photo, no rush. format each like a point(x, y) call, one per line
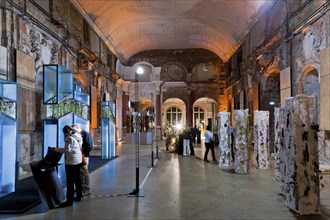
point(178, 188)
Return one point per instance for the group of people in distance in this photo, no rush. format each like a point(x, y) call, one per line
point(78, 144)
point(190, 134)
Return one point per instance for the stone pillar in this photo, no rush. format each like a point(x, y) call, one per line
point(189, 114)
point(224, 139)
point(125, 99)
point(222, 103)
point(158, 110)
point(324, 141)
point(261, 137)
point(125, 109)
point(280, 152)
point(241, 162)
point(302, 165)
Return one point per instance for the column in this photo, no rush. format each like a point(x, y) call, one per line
point(261, 137)
point(224, 139)
point(158, 110)
point(280, 151)
point(302, 165)
point(125, 109)
point(241, 161)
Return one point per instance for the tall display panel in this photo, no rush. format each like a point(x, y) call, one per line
point(241, 161)
point(8, 136)
point(261, 137)
point(108, 130)
point(66, 105)
point(301, 160)
point(224, 139)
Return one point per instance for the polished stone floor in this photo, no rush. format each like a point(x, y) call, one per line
point(178, 187)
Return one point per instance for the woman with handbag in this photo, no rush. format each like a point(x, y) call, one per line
point(73, 160)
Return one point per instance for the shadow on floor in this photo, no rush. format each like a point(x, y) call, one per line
point(26, 194)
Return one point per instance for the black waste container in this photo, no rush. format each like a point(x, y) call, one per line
point(45, 175)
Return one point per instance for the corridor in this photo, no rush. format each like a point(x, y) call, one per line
point(178, 188)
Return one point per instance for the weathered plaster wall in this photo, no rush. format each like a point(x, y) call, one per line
point(287, 41)
point(60, 37)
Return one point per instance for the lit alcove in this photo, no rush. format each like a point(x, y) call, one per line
point(311, 84)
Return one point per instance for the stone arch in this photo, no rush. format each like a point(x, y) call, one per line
point(209, 107)
point(270, 97)
point(147, 68)
point(270, 91)
point(145, 104)
point(304, 71)
point(173, 102)
point(310, 83)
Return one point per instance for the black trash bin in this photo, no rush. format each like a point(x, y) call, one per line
point(45, 175)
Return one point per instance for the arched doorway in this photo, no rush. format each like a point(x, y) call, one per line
point(174, 111)
point(204, 112)
point(270, 98)
point(311, 85)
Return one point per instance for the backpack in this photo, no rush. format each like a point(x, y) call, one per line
point(87, 144)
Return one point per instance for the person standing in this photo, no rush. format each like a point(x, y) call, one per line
point(186, 142)
point(87, 146)
point(73, 159)
point(209, 144)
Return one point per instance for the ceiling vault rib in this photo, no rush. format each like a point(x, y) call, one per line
point(135, 26)
point(98, 31)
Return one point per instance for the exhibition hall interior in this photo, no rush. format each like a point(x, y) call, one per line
point(197, 109)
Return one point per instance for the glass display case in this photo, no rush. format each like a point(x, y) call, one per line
point(58, 84)
point(66, 105)
point(54, 137)
point(8, 136)
point(81, 97)
point(108, 130)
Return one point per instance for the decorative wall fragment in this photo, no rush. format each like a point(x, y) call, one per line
point(261, 137)
point(302, 168)
point(224, 139)
point(241, 161)
point(280, 129)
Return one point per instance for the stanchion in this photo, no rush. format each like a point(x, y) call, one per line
point(137, 191)
point(152, 157)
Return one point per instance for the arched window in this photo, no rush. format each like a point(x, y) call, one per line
point(198, 117)
point(174, 116)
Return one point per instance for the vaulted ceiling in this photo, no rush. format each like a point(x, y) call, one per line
point(132, 26)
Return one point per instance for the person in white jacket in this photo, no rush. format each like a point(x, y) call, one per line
point(209, 144)
point(73, 159)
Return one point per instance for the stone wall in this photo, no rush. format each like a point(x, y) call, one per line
point(32, 36)
point(289, 38)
